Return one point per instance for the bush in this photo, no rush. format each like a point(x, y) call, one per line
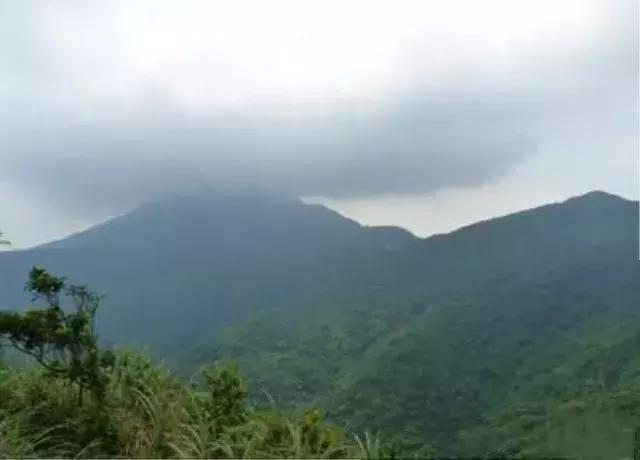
point(133, 408)
point(146, 412)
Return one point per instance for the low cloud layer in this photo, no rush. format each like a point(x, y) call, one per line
point(106, 104)
point(337, 154)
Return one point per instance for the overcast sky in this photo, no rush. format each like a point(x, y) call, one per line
point(424, 114)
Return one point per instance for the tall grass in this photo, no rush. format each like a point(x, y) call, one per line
point(148, 413)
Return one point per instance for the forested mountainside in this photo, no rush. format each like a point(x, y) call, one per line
point(182, 268)
point(63, 395)
point(482, 339)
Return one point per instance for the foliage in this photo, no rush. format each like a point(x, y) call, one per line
point(138, 409)
point(146, 412)
point(471, 341)
point(64, 343)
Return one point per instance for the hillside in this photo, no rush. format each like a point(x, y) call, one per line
point(181, 268)
point(439, 339)
point(522, 310)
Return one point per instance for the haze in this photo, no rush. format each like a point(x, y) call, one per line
point(427, 115)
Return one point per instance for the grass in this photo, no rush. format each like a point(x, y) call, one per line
point(149, 413)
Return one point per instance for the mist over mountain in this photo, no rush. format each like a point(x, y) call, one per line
point(183, 264)
point(395, 333)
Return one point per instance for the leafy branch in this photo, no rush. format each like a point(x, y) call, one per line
point(63, 342)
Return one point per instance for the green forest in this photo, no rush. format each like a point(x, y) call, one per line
point(62, 395)
point(72, 399)
point(279, 329)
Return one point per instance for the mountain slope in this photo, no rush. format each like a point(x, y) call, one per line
point(446, 331)
point(185, 266)
point(491, 326)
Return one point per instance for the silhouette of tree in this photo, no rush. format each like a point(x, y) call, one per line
point(61, 339)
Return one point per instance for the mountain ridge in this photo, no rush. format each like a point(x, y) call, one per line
point(421, 338)
point(590, 195)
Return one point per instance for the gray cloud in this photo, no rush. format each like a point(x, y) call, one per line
point(73, 135)
point(338, 155)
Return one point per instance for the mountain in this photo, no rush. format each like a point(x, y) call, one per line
point(469, 341)
point(496, 324)
point(178, 268)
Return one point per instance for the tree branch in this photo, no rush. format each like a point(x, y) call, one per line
point(38, 357)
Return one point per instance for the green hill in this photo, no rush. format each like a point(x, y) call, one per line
point(473, 341)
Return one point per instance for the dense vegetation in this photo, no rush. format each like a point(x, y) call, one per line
point(517, 335)
point(131, 407)
point(507, 324)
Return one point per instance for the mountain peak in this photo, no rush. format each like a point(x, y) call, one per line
point(599, 196)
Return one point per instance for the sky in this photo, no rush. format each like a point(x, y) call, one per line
point(429, 115)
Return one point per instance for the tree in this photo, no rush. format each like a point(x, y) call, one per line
point(64, 342)
point(226, 395)
point(3, 241)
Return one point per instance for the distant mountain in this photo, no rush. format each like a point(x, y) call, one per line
point(468, 340)
point(183, 267)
